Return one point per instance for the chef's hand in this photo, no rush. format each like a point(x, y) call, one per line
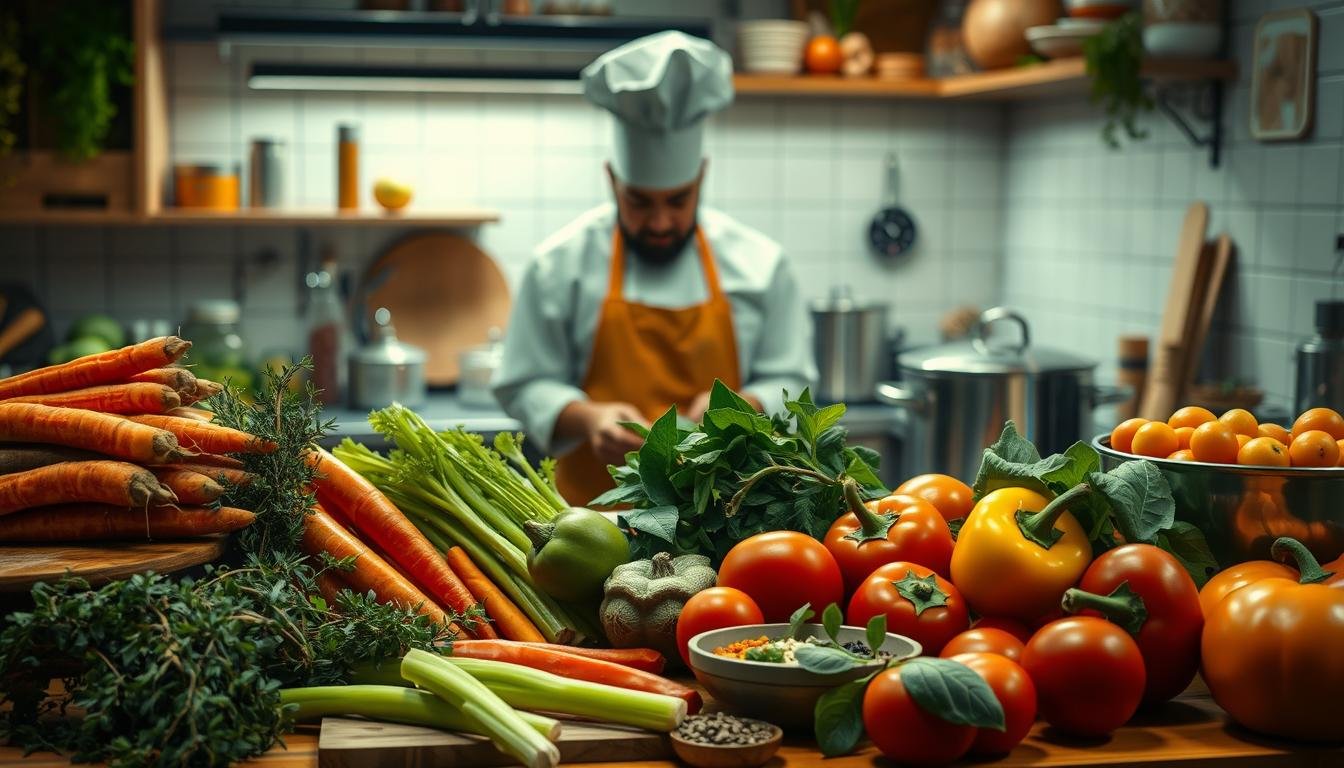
point(609, 439)
point(700, 404)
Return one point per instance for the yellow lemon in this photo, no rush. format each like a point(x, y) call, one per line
point(391, 195)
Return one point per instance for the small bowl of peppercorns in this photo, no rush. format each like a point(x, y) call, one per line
point(720, 740)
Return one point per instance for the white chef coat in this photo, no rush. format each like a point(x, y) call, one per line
point(557, 305)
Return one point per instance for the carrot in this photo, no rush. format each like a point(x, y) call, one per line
point(182, 381)
point(510, 622)
point(102, 482)
point(223, 475)
point(110, 398)
point(577, 668)
point(215, 460)
point(190, 487)
point(643, 659)
point(91, 522)
point(205, 389)
point(77, 428)
point(321, 533)
point(18, 457)
point(344, 492)
point(206, 438)
point(187, 412)
point(329, 585)
point(103, 368)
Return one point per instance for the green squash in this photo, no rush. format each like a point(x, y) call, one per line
point(643, 599)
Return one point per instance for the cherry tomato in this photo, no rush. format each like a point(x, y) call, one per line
point(714, 608)
point(904, 731)
point(1011, 626)
point(1190, 416)
point(1241, 421)
point(1263, 452)
point(984, 640)
point(918, 603)
point(1122, 437)
point(953, 498)
point(1013, 688)
point(1182, 455)
point(1340, 445)
point(1183, 437)
point(896, 528)
point(1088, 673)
point(1155, 439)
point(1275, 431)
point(782, 570)
point(1314, 448)
point(1214, 442)
point(1323, 419)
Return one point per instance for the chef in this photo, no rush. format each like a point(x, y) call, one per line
point(640, 305)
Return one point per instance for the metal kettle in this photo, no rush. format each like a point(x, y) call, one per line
point(386, 370)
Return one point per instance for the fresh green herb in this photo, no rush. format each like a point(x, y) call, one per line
point(798, 619)
point(837, 718)
point(84, 54)
point(13, 71)
point(702, 489)
point(770, 653)
point(831, 619)
point(1188, 545)
point(876, 633)
point(842, 16)
point(1114, 61)
point(824, 659)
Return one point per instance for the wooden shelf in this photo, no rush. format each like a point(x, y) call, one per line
point(1052, 78)
point(466, 217)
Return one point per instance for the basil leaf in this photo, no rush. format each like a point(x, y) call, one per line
point(655, 460)
point(1188, 545)
point(831, 619)
point(703, 493)
point(1140, 499)
point(798, 618)
point(725, 419)
point(952, 692)
point(805, 414)
point(837, 718)
point(621, 494)
point(636, 427)
point(870, 457)
point(720, 396)
point(824, 659)
point(876, 633)
point(828, 417)
point(864, 475)
point(655, 521)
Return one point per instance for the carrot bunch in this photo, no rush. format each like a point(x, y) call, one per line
point(105, 447)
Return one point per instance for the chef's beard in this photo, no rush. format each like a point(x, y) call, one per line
point(656, 255)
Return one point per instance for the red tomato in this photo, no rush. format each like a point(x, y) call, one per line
point(918, 603)
point(953, 498)
point(1088, 673)
point(1171, 622)
point(782, 570)
point(1013, 688)
point(1011, 626)
point(979, 639)
point(905, 732)
point(891, 529)
point(714, 608)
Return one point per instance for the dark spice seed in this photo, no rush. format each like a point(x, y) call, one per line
point(720, 729)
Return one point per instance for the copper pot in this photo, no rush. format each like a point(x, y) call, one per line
point(994, 31)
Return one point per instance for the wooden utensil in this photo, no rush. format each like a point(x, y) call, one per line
point(445, 294)
point(1168, 370)
point(1214, 262)
point(22, 566)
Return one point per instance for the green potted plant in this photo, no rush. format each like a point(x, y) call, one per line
point(1114, 60)
point(84, 53)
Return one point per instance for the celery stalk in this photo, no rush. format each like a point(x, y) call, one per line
point(528, 688)
point(393, 704)
point(492, 717)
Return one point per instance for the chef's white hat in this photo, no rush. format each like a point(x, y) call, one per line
point(660, 88)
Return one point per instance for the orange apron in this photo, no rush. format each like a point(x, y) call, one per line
point(652, 358)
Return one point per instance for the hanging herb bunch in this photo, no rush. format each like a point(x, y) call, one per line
point(1114, 59)
point(12, 73)
point(84, 52)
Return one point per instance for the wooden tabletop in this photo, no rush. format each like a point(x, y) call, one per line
point(21, 566)
point(1190, 732)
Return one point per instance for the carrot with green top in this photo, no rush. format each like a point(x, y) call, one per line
point(103, 368)
point(181, 380)
point(190, 487)
point(188, 412)
point(103, 522)
point(205, 389)
point(103, 482)
point(329, 585)
point(345, 493)
point(111, 435)
point(225, 475)
point(206, 438)
point(110, 398)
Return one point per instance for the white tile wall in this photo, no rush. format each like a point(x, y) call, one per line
point(1089, 233)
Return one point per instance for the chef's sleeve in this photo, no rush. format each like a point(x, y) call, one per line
point(783, 357)
point(535, 380)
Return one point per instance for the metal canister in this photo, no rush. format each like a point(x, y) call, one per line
point(1320, 361)
point(265, 187)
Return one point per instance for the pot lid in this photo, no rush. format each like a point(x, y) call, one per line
point(982, 355)
point(385, 348)
point(842, 300)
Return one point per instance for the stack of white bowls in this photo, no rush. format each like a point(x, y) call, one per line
point(772, 46)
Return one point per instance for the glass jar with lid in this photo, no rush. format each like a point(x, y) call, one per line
point(217, 351)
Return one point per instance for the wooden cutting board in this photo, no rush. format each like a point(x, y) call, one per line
point(22, 566)
point(1213, 268)
point(352, 743)
point(1166, 376)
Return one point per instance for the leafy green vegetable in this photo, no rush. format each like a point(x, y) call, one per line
point(876, 633)
point(84, 54)
point(700, 489)
point(952, 692)
point(824, 659)
point(838, 717)
point(771, 653)
point(798, 619)
point(831, 619)
point(1188, 545)
point(1114, 62)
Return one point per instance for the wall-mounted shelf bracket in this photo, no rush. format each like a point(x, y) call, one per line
point(1188, 105)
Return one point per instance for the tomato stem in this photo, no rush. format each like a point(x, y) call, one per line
point(1039, 527)
point(1123, 607)
point(871, 526)
point(1287, 548)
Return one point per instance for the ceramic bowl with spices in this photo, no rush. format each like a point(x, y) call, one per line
point(721, 740)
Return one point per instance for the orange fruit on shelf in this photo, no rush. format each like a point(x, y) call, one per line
point(1241, 421)
point(823, 55)
point(1182, 455)
point(1190, 416)
point(1276, 432)
point(1214, 442)
point(1263, 452)
point(1183, 435)
point(1122, 437)
point(1323, 419)
point(1155, 439)
point(1314, 448)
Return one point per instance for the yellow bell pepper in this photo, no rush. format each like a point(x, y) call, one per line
point(1018, 552)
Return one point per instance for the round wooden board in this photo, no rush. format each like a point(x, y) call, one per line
point(21, 566)
point(444, 293)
